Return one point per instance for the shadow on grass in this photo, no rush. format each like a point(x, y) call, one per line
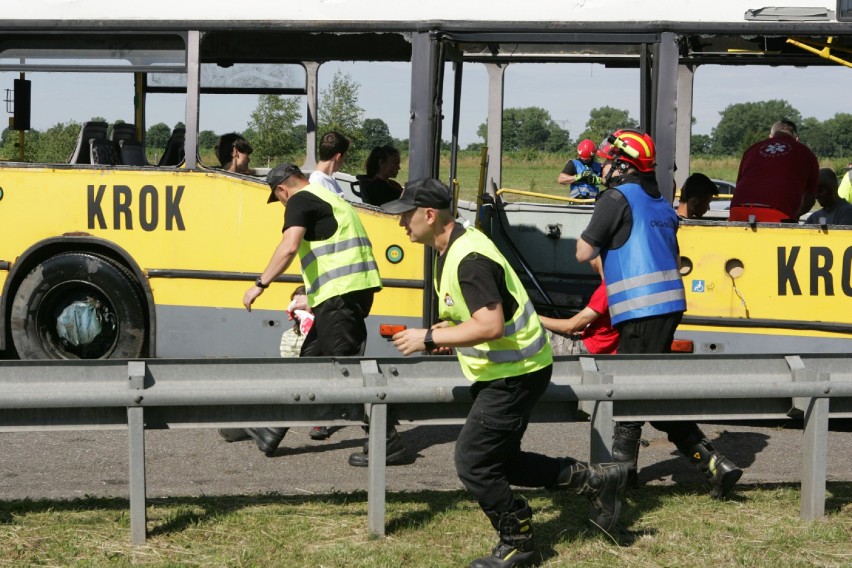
point(568, 525)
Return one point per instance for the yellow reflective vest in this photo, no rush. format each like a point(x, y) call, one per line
point(342, 263)
point(524, 347)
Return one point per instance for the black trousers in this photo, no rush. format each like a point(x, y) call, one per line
point(339, 327)
point(655, 335)
point(488, 450)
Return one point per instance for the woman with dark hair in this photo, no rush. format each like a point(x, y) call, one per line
point(378, 186)
point(234, 153)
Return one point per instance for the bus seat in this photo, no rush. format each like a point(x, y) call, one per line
point(123, 131)
point(103, 152)
point(174, 152)
point(132, 153)
point(92, 129)
point(358, 186)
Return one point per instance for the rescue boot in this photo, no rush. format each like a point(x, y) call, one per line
point(267, 439)
point(600, 483)
point(625, 449)
point(515, 547)
point(721, 472)
point(395, 452)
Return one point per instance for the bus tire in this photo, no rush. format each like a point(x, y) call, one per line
point(79, 306)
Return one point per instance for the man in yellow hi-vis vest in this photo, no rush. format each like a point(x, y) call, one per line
point(340, 276)
point(489, 320)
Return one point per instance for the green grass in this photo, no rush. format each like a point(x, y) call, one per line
point(664, 526)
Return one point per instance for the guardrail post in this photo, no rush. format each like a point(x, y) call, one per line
point(377, 446)
point(600, 412)
point(815, 452)
point(136, 444)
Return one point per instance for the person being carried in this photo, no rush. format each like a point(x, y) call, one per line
point(333, 147)
point(378, 186)
point(583, 173)
point(340, 275)
point(695, 196)
point(489, 321)
point(300, 313)
point(234, 153)
point(777, 179)
point(590, 330)
point(835, 210)
point(634, 229)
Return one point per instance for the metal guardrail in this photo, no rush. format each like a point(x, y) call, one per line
point(221, 393)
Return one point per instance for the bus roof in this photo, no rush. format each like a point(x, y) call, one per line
point(390, 13)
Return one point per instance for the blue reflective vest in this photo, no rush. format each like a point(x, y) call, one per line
point(581, 189)
point(642, 276)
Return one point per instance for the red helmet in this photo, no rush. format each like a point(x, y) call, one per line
point(586, 149)
point(631, 146)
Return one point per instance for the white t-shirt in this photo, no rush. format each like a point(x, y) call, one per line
point(326, 181)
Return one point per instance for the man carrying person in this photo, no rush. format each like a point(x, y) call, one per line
point(488, 319)
point(633, 228)
point(339, 272)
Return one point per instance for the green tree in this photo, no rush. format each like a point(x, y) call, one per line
point(158, 135)
point(743, 124)
point(375, 132)
point(9, 145)
point(272, 128)
point(56, 144)
point(339, 111)
point(604, 121)
point(529, 128)
point(207, 139)
point(833, 139)
point(700, 144)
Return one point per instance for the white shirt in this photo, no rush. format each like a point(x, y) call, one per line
point(326, 181)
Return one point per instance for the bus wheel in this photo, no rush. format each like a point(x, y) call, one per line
point(78, 306)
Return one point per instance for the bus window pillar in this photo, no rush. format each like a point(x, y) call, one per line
point(496, 83)
point(312, 68)
point(193, 89)
point(683, 138)
point(425, 114)
point(665, 109)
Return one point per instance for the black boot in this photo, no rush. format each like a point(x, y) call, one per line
point(601, 483)
point(721, 472)
point(267, 439)
point(625, 449)
point(515, 547)
point(395, 452)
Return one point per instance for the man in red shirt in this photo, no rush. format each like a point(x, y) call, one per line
point(777, 179)
point(590, 330)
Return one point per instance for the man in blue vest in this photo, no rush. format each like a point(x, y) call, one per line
point(487, 317)
point(633, 229)
point(583, 173)
point(340, 276)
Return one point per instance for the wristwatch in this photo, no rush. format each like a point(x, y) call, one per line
point(427, 341)
point(259, 283)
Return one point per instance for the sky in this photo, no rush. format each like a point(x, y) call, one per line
point(567, 92)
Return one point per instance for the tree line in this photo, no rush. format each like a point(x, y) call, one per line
point(277, 131)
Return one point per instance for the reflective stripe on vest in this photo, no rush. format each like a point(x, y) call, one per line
point(342, 263)
point(523, 348)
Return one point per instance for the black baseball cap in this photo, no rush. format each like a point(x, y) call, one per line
point(426, 192)
point(278, 174)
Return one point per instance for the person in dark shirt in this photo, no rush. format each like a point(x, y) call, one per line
point(488, 319)
point(378, 186)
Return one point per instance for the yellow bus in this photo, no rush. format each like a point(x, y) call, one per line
point(127, 259)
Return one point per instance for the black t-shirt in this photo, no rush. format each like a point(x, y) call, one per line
point(378, 191)
point(481, 279)
point(570, 168)
point(309, 211)
point(612, 219)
